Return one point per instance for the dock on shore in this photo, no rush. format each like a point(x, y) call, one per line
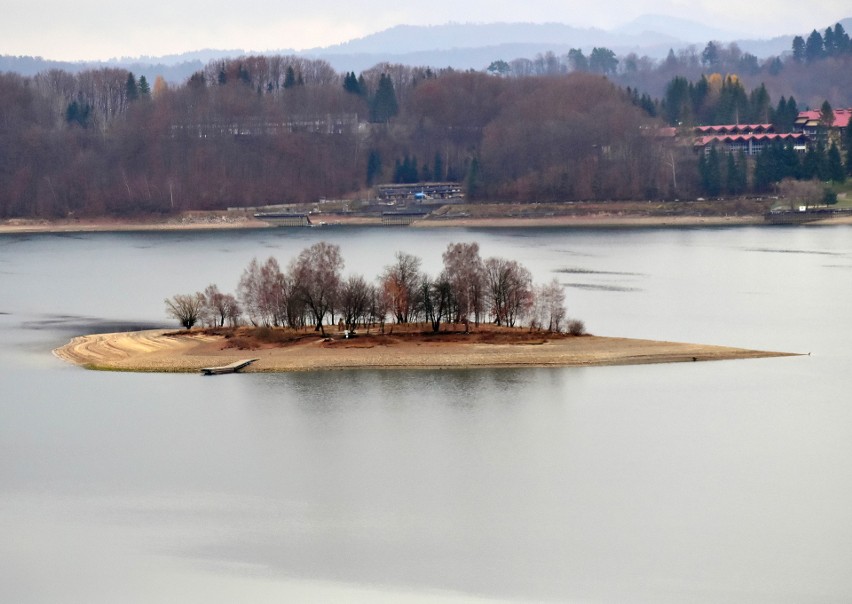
point(231, 368)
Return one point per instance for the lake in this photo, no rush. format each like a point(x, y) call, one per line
point(728, 481)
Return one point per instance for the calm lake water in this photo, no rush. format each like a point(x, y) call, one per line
point(708, 482)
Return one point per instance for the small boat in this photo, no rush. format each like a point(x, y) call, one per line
point(232, 368)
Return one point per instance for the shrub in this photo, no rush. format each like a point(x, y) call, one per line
point(576, 327)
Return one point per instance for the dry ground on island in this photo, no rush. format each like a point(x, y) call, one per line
point(288, 350)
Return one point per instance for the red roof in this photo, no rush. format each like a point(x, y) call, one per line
point(702, 141)
point(734, 128)
point(841, 117)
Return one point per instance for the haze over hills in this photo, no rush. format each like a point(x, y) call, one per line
point(457, 45)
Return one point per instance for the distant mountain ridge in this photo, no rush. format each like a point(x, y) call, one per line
point(457, 45)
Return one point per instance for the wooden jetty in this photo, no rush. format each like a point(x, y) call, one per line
point(232, 368)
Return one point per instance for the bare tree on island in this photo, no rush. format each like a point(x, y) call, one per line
point(510, 292)
point(220, 307)
point(317, 279)
point(465, 272)
point(355, 299)
point(400, 283)
point(186, 308)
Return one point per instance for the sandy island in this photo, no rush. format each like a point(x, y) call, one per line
point(171, 351)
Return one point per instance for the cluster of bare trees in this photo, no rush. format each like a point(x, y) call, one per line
point(313, 292)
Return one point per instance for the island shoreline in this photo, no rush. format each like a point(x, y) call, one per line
point(167, 351)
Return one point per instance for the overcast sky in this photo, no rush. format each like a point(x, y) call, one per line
point(95, 29)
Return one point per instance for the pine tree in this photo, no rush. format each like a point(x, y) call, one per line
point(131, 88)
point(289, 77)
point(144, 88)
point(350, 83)
point(438, 170)
point(472, 183)
point(835, 170)
point(735, 175)
point(711, 175)
point(814, 47)
point(798, 49)
point(374, 166)
point(384, 105)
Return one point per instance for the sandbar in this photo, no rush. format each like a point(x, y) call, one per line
point(171, 351)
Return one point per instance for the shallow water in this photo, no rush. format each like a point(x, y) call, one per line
point(706, 482)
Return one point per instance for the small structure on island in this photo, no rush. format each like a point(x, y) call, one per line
point(232, 368)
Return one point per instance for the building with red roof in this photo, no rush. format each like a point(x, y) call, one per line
point(749, 139)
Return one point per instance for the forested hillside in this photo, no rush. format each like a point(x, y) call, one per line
point(274, 129)
point(265, 130)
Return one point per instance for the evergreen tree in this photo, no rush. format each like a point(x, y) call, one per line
point(841, 40)
point(735, 175)
point(814, 48)
point(826, 121)
point(374, 167)
point(289, 77)
point(711, 173)
point(759, 105)
point(814, 165)
point(677, 103)
point(438, 171)
point(471, 181)
point(132, 90)
point(798, 49)
point(78, 113)
point(144, 88)
point(764, 175)
point(350, 83)
point(384, 105)
point(648, 105)
point(834, 165)
point(785, 114)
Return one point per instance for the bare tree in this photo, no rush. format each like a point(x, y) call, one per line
point(509, 290)
point(316, 279)
point(466, 275)
point(355, 298)
point(220, 307)
point(436, 296)
point(550, 306)
point(399, 283)
point(186, 308)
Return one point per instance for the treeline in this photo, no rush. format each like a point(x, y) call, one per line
point(817, 67)
point(312, 292)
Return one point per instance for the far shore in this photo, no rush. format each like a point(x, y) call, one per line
point(175, 351)
point(223, 221)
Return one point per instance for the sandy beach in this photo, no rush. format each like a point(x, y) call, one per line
point(169, 351)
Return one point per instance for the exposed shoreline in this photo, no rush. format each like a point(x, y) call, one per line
point(175, 352)
point(224, 222)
